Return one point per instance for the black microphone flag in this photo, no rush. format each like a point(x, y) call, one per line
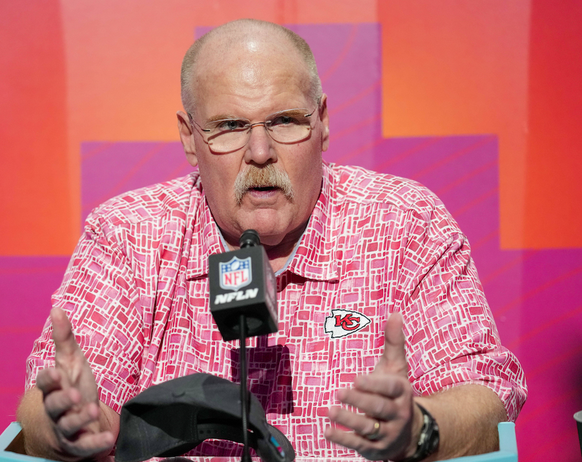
point(242, 283)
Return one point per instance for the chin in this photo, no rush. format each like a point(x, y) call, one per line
point(269, 237)
point(269, 225)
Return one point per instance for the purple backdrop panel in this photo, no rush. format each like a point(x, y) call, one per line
point(551, 350)
point(348, 59)
point(109, 169)
point(26, 285)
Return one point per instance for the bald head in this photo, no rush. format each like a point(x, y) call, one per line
point(246, 42)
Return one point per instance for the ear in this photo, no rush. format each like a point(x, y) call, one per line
point(324, 116)
point(185, 128)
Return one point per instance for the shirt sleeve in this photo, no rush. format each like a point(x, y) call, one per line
point(100, 297)
point(451, 334)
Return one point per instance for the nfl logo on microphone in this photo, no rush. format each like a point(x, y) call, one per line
point(235, 273)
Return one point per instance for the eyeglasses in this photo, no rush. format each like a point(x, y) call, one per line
point(228, 135)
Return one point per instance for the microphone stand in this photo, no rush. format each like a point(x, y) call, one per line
point(249, 238)
point(244, 398)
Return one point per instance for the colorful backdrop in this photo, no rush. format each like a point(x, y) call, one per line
point(481, 100)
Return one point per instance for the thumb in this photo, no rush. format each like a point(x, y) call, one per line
point(65, 343)
point(393, 359)
point(70, 360)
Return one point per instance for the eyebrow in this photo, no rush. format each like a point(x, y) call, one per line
point(224, 117)
point(293, 112)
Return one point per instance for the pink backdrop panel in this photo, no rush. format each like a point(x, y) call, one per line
point(26, 285)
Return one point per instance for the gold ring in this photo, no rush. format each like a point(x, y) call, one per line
point(375, 435)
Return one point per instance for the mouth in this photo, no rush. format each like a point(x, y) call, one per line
point(263, 192)
point(263, 188)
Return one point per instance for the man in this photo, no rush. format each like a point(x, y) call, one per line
point(349, 248)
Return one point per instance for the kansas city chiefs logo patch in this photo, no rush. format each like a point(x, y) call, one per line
point(345, 322)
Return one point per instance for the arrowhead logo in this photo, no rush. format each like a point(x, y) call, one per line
point(345, 322)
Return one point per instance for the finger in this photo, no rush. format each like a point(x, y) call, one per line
point(369, 449)
point(59, 402)
point(48, 380)
point(386, 385)
point(89, 444)
point(393, 359)
point(74, 422)
point(65, 343)
point(371, 404)
point(359, 423)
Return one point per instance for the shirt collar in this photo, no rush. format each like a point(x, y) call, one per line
point(206, 239)
point(314, 256)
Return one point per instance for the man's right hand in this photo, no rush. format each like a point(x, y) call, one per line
point(76, 425)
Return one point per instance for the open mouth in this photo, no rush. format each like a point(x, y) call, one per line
point(263, 188)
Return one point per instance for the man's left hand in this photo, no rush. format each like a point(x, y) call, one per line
point(385, 419)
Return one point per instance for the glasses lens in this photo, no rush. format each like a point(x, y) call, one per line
point(289, 126)
point(227, 135)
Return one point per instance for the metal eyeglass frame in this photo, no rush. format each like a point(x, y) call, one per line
point(249, 126)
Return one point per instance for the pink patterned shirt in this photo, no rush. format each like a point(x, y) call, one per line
point(136, 291)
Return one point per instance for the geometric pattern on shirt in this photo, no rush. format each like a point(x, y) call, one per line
point(136, 291)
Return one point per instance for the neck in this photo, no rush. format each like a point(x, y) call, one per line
point(279, 253)
point(279, 256)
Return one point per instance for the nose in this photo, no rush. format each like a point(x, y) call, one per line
point(260, 149)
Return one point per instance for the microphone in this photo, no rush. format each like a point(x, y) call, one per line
point(243, 302)
point(242, 283)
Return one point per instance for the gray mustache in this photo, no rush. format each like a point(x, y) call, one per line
point(263, 177)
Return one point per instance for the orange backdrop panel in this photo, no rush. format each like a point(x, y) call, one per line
point(553, 208)
point(35, 204)
point(460, 67)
